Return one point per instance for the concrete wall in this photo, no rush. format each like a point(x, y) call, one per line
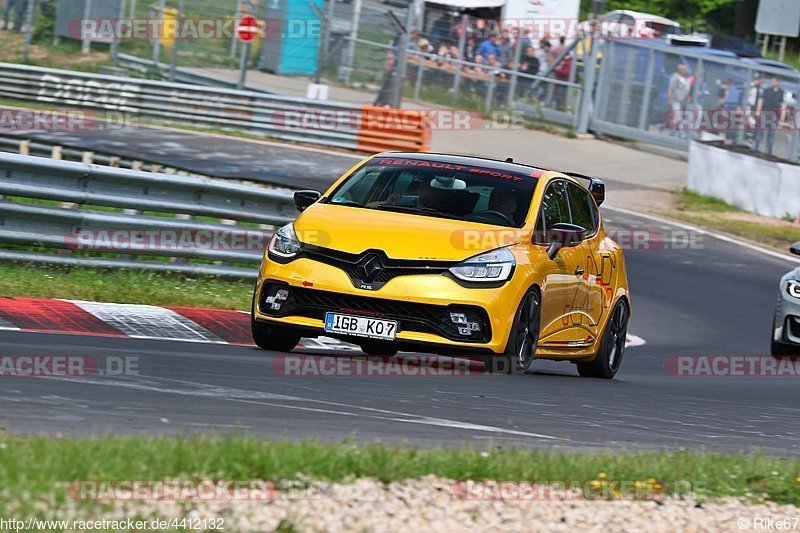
point(750, 183)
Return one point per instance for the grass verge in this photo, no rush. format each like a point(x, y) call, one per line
point(36, 465)
point(125, 286)
point(714, 214)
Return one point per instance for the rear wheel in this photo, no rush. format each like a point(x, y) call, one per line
point(612, 346)
point(522, 340)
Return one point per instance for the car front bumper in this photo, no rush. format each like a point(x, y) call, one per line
point(420, 303)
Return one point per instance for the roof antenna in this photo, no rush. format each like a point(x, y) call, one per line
point(509, 159)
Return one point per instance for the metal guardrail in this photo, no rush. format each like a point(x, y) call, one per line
point(147, 67)
point(294, 119)
point(124, 237)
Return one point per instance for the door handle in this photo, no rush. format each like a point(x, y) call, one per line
point(579, 271)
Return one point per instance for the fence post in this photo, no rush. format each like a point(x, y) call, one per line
point(587, 90)
point(490, 94)
point(420, 71)
point(512, 84)
point(86, 45)
point(401, 56)
point(648, 86)
point(174, 52)
point(29, 17)
point(462, 50)
point(351, 45)
point(162, 5)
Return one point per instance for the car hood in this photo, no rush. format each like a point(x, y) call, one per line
point(399, 235)
point(794, 274)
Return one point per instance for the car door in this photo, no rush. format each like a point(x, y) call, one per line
point(559, 283)
point(587, 308)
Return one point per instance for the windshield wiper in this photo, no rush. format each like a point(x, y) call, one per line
point(418, 210)
point(350, 203)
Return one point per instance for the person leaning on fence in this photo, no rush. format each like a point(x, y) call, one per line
point(489, 52)
point(529, 64)
point(678, 94)
point(770, 114)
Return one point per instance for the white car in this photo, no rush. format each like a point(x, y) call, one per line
point(625, 23)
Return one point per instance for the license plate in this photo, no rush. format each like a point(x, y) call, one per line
point(360, 326)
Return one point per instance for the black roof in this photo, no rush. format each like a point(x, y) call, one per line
point(464, 160)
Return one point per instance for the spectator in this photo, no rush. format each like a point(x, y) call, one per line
point(562, 73)
point(752, 99)
point(557, 50)
point(543, 55)
point(442, 30)
point(489, 52)
point(529, 64)
point(16, 7)
point(446, 53)
point(425, 46)
point(771, 113)
point(678, 94)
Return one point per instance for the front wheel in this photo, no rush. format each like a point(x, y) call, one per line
point(612, 346)
point(270, 338)
point(522, 340)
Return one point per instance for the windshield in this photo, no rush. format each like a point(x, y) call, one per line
point(440, 189)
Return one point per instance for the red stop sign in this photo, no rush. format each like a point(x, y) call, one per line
point(248, 28)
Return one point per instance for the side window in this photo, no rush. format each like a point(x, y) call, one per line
point(582, 208)
point(555, 206)
point(555, 209)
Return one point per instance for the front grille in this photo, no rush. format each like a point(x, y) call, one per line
point(388, 268)
point(423, 318)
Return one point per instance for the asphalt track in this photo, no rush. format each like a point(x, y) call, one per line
point(715, 298)
point(212, 155)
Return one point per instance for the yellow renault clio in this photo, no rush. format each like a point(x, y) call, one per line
point(452, 255)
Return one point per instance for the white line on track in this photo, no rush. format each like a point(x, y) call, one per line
point(702, 231)
point(258, 398)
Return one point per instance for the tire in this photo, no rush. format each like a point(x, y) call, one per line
point(612, 346)
point(379, 348)
point(781, 349)
point(522, 339)
point(269, 337)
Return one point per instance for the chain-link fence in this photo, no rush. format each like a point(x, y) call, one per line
point(646, 89)
point(669, 95)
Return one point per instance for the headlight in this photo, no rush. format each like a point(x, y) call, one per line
point(490, 266)
point(794, 288)
point(284, 242)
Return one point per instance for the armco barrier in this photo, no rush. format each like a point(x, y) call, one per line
point(284, 117)
point(174, 200)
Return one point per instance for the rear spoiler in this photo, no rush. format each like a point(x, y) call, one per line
point(596, 186)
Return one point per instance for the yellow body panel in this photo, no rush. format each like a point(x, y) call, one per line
point(574, 308)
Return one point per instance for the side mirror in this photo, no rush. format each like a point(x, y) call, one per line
point(597, 188)
point(563, 236)
point(303, 199)
point(795, 249)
